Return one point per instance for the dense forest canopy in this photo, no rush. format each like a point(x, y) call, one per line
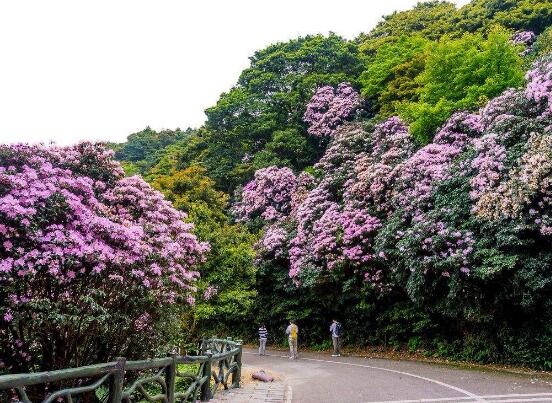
point(399, 181)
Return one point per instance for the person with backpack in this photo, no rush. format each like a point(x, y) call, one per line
point(263, 335)
point(336, 331)
point(292, 331)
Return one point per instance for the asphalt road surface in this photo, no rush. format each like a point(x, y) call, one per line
point(320, 378)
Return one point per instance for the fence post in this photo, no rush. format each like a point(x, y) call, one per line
point(170, 376)
point(202, 346)
point(236, 376)
point(206, 387)
point(116, 383)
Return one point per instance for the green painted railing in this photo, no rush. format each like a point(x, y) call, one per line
point(152, 380)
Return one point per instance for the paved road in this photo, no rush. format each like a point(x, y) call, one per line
point(319, 378)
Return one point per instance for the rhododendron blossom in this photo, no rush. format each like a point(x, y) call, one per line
point(539, 87)
point(268, 195)
point(329, 108)
point(73, 227)
point(379, 206)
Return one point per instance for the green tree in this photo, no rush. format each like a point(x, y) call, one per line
point(144, 148)
point(430, 19)
point(286, 148)
point(225, 289)
point(543, 44)
point(390, 74)
point(461, 74)
point(525, 15)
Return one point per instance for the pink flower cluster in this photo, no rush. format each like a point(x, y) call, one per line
point(71, 222)
point(522, 188)
point(268, 195)
point(274, 241)
point(539, 86)
point(431, 164)
point(526, 39)
point(371, 178)
point(376, 169)
point(440, 248)
point(329, 108)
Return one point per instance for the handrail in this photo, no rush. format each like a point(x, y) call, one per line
point(223, 355)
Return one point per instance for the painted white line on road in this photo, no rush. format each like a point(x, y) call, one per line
point(435, 381)
point(289, 394)
point(539, 399)
point(514, 397)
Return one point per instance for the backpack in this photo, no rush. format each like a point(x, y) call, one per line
point(338, 329)
point(293, 332)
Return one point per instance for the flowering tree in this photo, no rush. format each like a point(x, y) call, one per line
point(461, 226)
point(329, 108)
point(90, 261)
point(268, 195)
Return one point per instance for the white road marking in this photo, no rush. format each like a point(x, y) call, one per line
point(529, 397)
point(289, 394)
point(541, 399)
point(473, 396)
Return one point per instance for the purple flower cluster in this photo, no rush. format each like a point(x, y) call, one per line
point(488, 164)
point(431, 164)
point(441, 249)
point(329, 108)
point(274, 241)
point(268, 195)
point(375, 170)
point(376, 195)
point(539, 86)
point(524, 38)
point(70, 221)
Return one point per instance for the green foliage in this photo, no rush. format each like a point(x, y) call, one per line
point(523, 15)
point(286, 148)
point(144, 149)
point(431, 20)
point(228, 270)
point(390, 74)
point(543, 44)
point(434, 19)
point(461, 74)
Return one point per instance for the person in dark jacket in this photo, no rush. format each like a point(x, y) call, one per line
point(335, 330)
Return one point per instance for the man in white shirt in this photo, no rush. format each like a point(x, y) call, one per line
point(292, 331)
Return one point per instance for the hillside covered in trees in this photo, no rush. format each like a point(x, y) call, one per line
point(400, 181)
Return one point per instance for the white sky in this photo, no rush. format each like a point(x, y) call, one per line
point(102, 69)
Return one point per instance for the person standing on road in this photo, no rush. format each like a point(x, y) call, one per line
point(263, 335)
point(336, 332)
point(292, 331)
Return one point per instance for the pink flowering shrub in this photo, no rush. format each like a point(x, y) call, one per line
point(86, 255)
point(329, 108)
point(539, 88)
point(268, 195)
point(465, 213)
point(375, 170)
point(525, 39)
point(274, 241)
point(430, 165)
